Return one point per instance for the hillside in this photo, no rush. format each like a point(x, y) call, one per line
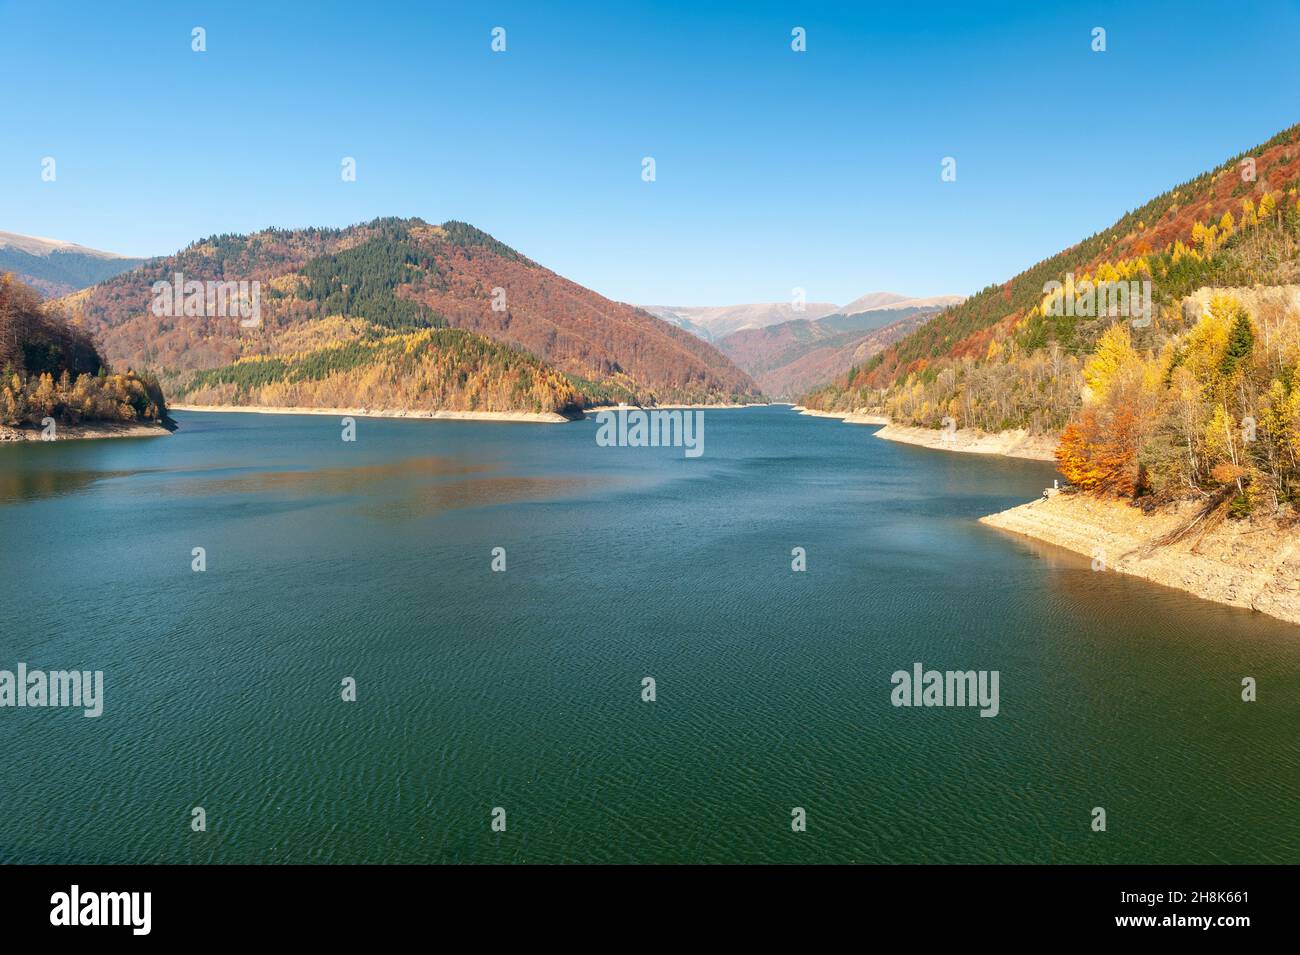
point(788, 359)
point(430, 368)
point(58, 268)
point(1194, 403)
point(50, 368)
point(1000, 360)
point(525, 338)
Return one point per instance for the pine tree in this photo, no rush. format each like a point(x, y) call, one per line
point(1241, 339)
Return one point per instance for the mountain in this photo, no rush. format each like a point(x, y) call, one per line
point(712, 322)
point(50, 367)
point(872, 300)
point(679, 319)
point(878, 301)
point(790, 358)
point(55, 267)
point(715, 322)
point(397, 313)
point(1184, 389)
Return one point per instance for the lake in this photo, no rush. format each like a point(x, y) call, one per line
point(522, 689)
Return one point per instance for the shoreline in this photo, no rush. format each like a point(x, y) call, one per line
point(1009, 444)
point(90, 431)
point(848, 417)
point(1255, 566)
point(524, 417)
point(527, 417)
point(698, 407)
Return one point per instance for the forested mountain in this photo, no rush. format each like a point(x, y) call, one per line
point(1202, 399)
point(526, 334)
point(351, 363)
point(57, 268)
point(51, 368)
point(788, 359)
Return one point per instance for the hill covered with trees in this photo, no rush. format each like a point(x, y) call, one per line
point(1198, 398)
point(427, 368)
point(525, 334)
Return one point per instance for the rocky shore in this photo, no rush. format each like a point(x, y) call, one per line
point(1011, 444)
point(1254, 564)
point(85, 431)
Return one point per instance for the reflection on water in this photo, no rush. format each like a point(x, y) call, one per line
point(313, 482)
point(19, 484)
point(432, 498)
point(419, 486)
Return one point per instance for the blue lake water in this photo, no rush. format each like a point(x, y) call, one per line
point(522, 689)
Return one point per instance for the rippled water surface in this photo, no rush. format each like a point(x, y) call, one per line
point(522, 689)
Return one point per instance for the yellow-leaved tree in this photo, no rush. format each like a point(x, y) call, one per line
point(1267, 206)
point(1114, 354)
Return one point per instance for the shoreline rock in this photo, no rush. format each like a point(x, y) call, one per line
point(1251, 564)
point(86, 431)
point(848, 417)
point(1254, 565)
point(1010, 444)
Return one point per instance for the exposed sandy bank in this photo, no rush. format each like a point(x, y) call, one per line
point(1242, 563)
point(1011, 444)
point(598, 408)
point(848, 417)
point(547, 417)
point(85, 432)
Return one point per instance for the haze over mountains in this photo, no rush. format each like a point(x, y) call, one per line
point(789, 351)
point(790, 358)
point(55, 267)
point(714, 322)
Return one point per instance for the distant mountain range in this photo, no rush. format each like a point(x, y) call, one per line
point(793, 357)
point(789, 352)
point(715, 322)
point(398, 313)
point(55, 267)
point(712, 322)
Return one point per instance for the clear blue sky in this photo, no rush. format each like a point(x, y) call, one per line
point(775, 169)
